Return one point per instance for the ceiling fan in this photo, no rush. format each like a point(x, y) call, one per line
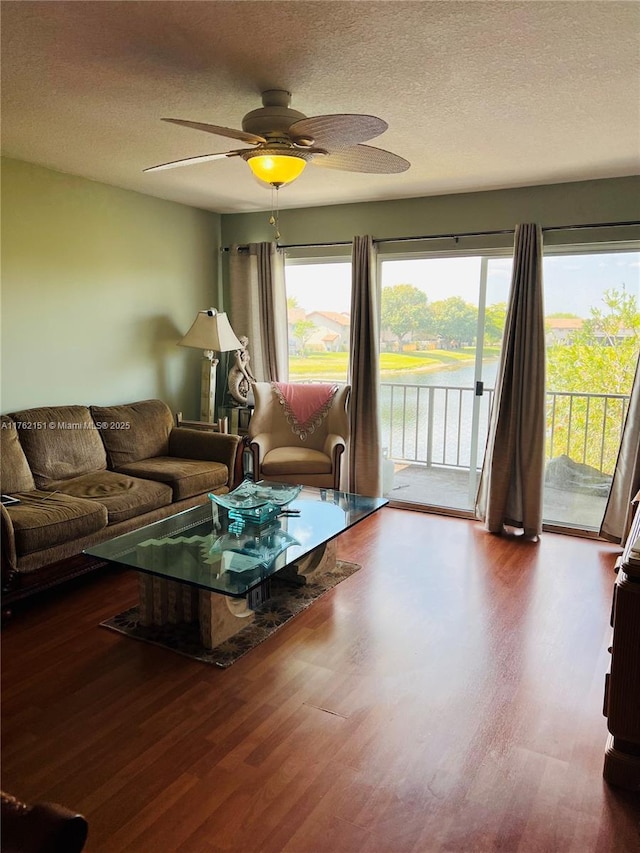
point(284, 140)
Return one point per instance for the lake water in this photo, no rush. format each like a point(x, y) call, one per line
point(418, 425)
point(457, 377)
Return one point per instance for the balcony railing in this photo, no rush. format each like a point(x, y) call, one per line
point(433, 425)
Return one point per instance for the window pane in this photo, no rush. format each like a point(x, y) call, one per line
point(318, 307)
point(592, 308)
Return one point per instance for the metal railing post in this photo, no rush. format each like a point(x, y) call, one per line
point(430, 428)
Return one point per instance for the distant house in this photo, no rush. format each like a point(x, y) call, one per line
point(560, 330)
point(333, 329)
point(294, 315)
point(621, 335)
point(390, 342)
point(331, 342)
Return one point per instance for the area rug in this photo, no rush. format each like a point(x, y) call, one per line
point(285, 602)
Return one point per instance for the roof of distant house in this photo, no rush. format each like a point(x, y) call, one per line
point(343, 318)
point(294, 315)
point(330, 337)
point(564, 322)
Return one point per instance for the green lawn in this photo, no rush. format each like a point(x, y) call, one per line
point(334, 364)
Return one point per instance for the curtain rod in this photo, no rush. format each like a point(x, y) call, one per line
point(455, 237)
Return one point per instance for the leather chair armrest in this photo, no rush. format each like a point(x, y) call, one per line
point(334, 447)
point(332, 443)
point(260, 445)
point(263, 443)
point(43, 826)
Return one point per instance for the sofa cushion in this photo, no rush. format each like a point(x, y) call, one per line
point(134, 431)
point(15, 473)
point(44, 519)
point(59, 442)
point(187, 477)
point(123, 496)
point(295, 460)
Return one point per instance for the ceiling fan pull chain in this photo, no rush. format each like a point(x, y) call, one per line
point(273, 219)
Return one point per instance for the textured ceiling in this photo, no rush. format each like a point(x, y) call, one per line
point(477, 95)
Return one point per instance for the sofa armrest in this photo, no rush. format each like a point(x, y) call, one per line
point(8, 549)
point(188, 443)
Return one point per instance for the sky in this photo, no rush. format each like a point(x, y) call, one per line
point(572, 283)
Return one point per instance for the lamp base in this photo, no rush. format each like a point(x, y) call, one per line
point(208, 389)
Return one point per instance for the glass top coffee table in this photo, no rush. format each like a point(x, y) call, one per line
point(203, 565)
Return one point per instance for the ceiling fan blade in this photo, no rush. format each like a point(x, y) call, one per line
point(229, 132)
point(364, 158)
point(342, 130)
point(188, 161)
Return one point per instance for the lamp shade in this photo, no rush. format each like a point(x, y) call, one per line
point(211, 331)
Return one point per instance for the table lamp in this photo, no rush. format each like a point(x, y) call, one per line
point(211, 332)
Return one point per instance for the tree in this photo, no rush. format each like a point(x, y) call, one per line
point(599, 358)
point(302, 331)
point(454, 319)
point(405, 310)
point(292, 302)
point(495, 316)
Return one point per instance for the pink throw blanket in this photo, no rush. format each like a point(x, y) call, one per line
point(305, 406)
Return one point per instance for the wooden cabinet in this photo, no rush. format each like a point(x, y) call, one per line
point(622, 684)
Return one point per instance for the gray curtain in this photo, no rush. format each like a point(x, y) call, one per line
point(259, 307)
point(626, 478)
point(365, 446)
point(511, 483)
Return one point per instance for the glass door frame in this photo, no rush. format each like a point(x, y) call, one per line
point(485, 255)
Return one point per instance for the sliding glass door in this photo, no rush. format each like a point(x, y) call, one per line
point(592, 307)
point(442, 319)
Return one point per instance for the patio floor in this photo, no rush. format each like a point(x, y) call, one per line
point(449, 487)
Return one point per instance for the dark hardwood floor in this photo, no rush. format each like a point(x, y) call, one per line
point(447, 697)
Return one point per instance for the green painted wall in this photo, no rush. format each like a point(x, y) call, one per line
point(98, 285)
point(616, 199)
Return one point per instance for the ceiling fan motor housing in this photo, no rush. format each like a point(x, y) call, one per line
point(274, 118)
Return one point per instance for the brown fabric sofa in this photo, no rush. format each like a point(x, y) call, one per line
point(83, 475)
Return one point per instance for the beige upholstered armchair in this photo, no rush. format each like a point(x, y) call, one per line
point(298, 433)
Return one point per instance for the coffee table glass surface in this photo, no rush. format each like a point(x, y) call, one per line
point(205, 548)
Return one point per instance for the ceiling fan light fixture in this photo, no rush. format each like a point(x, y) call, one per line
point(276, 168)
